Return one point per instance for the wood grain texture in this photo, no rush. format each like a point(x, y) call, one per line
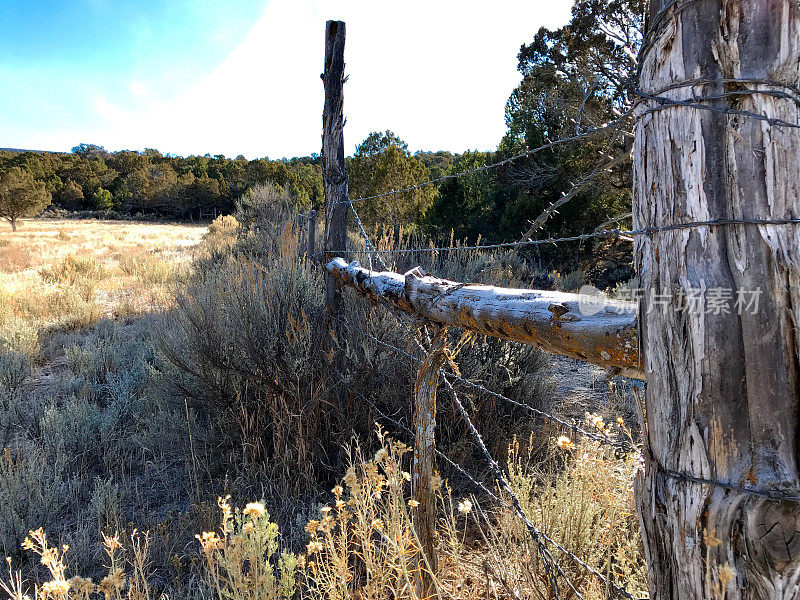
point(722, 389)
point(333, 165)
point(551, 320)
point(423, 488)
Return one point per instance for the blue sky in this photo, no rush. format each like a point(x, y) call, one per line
point(242, 76)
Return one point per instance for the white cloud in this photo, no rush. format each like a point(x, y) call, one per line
point(137, 88)
point(437, 72)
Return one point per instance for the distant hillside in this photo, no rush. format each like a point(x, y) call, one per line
point(21, 150)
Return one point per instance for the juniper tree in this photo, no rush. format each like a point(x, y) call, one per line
point(21, 196)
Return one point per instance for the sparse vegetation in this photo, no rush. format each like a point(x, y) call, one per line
point(110, 425)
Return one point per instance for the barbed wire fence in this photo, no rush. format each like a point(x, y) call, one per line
point(645, 104)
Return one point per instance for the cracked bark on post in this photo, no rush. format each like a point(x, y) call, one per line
point(722, 389)
point(595, 330)
point(334, 180)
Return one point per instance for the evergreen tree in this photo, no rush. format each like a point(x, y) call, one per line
point(21, 196)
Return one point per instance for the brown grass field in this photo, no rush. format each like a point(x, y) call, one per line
point(71, 273)
point(131, 254)
point(99, 445)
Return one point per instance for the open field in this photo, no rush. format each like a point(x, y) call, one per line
point(128, 251)
point(132, 396)
point(65, 274)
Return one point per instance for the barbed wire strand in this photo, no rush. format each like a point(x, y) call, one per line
point(610, 126)
point(696, 102)
point(621, 445)
point(626, 447)
point(533, 531)
point(482, 487)
point(665, 102)
point(606, 233)
point(547, 559)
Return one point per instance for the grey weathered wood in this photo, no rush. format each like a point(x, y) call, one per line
point(311, 224)
point(334, 179)
point(301, 222)
point(722, 389)
point(423, 488)
point(554, 321)
point(333, 165)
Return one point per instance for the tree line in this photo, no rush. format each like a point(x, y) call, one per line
point(573, 78)
point(148, 182)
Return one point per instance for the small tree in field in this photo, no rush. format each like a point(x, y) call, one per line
point(21, 196)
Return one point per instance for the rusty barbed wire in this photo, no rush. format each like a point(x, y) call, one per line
point(622, 446)
point(606, 233)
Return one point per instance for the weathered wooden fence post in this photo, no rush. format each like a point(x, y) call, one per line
point(311, 224)
point(422, 483)
point(723, 364)
point(301, 221)
point(333, 166)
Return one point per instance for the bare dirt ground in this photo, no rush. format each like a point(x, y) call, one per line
point(582, 387)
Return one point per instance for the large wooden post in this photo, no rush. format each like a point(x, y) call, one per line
point(311, 224)
point(722, 387)
point(333, 166)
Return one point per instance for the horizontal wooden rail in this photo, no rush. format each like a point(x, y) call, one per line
point(592, 329)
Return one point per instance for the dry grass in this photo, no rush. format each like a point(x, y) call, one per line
point(65, 275)
point(363, 543)
point(96, 436)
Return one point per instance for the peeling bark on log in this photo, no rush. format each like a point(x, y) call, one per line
point(555, 321)
point(722, 389)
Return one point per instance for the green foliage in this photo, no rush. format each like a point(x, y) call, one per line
point(103, 199)
point(70, 195)
point(464, 205)
point(149, 182)
point(573, 78)
point(382, 164)
point(21, 195)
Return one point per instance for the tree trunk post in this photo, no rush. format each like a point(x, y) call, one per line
point(333, 166)
point(301, 221)
point(311, 224)
point(13, 223)
point(422, 483)
point(722, 378)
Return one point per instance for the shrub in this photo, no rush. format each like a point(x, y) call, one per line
point(18, 335)
point(14, 368)
point(72, 269)
point(249, 345)
point(223, 225)
point(149, 268)
point(117, 584)
point(582, 497)
point(364, 545)
point(242, 563)
point(33, 489)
